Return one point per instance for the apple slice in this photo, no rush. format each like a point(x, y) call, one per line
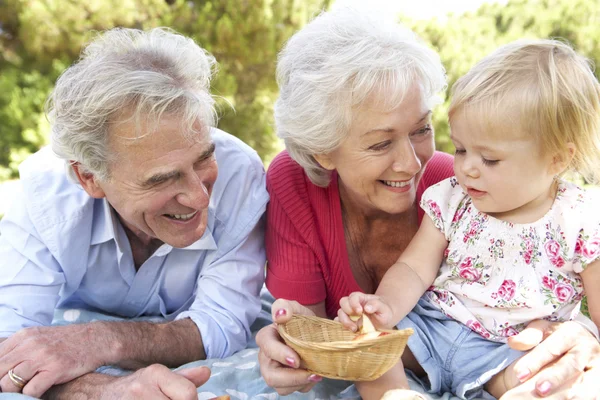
point(367, 325)
point(369, 335)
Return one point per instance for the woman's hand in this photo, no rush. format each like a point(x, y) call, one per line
point(566, 365)
point(279, 364)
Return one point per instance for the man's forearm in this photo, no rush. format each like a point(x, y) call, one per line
point(89, 386)
point(134, 345)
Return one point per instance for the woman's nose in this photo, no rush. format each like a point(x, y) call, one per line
point(406, 160)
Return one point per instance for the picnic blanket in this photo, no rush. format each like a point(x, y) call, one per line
point(238, 375)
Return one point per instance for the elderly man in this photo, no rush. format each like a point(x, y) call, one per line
point(156, 213)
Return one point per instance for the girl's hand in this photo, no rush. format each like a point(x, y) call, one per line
point(279, 364)
point(358, 303)
point(566, 365)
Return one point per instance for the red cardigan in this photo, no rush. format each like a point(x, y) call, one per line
point(306, 248)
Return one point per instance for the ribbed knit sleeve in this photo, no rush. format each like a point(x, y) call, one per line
point(293, 270)
point(440, 167)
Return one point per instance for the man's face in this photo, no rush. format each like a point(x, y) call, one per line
point(161, 184)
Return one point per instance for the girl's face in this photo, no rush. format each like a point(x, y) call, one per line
point(382, 160)
point(507, 176)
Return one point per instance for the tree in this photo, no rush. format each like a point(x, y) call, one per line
point(40, 38)
point(462, 40)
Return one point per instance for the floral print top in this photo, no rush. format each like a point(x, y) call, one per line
point(498, 276)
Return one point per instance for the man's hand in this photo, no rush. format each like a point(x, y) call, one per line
point(46, 356)
point(153, 382)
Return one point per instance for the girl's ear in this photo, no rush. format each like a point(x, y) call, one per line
point(562, 160)
point(325, 161)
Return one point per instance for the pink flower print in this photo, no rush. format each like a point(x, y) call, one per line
point(459, 214)
point(549, 282)
point(509, 331)
point(558, 262)
point(579, 245)
point(591, 249)
point(446, 252)
point(443, 296)
point(478, 328)
point(436, 209)
point(527, 257)
point(552, 248)
point(563, 292)
point(507, 290)
point(466, 263)
point(470, 274)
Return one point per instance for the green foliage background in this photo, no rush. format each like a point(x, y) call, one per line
point(39, 38)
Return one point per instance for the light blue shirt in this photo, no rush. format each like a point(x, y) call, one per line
point(60, 247)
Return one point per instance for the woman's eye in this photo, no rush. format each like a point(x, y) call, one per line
point(380, 146)
point(423, 131)
point(489, 162)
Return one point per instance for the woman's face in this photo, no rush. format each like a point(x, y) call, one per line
point(382, 160)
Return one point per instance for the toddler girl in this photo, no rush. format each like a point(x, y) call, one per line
point(514, 240)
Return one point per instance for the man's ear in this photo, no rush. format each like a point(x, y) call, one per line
point(562, 160)
point(325, 161)
point(88, 181)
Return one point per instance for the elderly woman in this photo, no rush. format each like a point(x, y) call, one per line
point(355, 114)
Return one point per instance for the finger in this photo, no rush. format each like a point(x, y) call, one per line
point(8, 386)
point(173, 386)
point(565, 369)
point(345, 320)
point(554, 346)
point(345, 305)
point(283, 310)
point(530, 336)
point(38, 385)
point(356, 301)
point(373, 306)
point(198, 375)
point(285, 380)
point(273, 348)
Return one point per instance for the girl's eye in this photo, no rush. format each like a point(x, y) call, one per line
point(459, 152)
point(489, 162)
point(380, 146)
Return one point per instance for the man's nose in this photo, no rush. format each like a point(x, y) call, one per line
point(194, 193)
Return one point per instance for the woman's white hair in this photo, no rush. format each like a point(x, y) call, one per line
point(147, 72)
point(333, 65)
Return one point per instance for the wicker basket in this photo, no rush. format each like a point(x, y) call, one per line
point(326, 349)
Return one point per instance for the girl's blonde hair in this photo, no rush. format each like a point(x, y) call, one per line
point(541, 88)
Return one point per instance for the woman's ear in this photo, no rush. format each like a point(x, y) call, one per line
point(325, 161)
point(88, 181)
point(562, 160)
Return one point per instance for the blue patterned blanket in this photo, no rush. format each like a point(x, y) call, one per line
point(238, 375)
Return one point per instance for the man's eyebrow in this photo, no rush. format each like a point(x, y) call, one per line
point(207, 153)
point(389, 129)
point(165, 176)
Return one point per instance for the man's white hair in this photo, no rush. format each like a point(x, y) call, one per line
point(333, 65)
point(146, 72)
